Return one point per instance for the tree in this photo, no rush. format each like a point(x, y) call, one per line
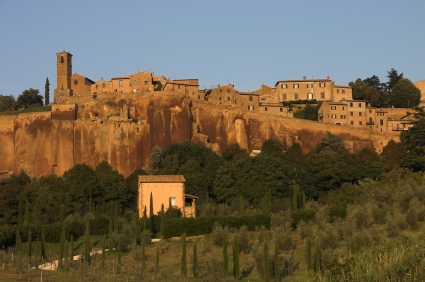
point(394, 155)
point(361, 91)
point(183, 269)
point(405, 94)
point(375, 83)
point(154, 160)
point(331, 143)
point(151, 219)
point(272, 147)
point(309, 112)
point(235, 258)
point(87, 244)
point(393, 78)
point(195, 259)
point(225, 259)
point(47, 92)
point(7, 103)
point(112, 185)
point(414, 142)
point(29, 98)
point(276, 262)
point(233, 151)
point(266, 263)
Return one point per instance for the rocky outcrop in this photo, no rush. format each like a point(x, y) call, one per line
point(123, 128)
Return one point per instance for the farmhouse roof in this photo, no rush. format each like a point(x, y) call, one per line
point(161, 178)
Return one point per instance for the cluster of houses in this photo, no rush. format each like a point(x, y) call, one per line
point(337, 104)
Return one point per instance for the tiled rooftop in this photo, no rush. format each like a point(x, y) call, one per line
point(161, 178)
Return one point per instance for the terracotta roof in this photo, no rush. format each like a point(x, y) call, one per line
point(190, 196)
point(161, 178)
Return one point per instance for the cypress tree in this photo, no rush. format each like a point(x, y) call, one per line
point(151, 223)
point(276, 262)
point(43, 244)
point(21, 202)
point(103, 251)
point(47, 92)
point(162, 220)
point(225, 259)
point(62, 245)
point(138, 229)
point(61, 212)
point(66, 253)
point(235, 258)
point(143, 252)
point(87, 244)
point(27, 212)
point(157, 256)
point(266, 263)
point(183, 269)
point(195, 259)
point(29, 241)
point(240, 207)
point(71, 245)
point(18, 241)
point(116, 219)
point(309, 265)
point(145, 219)
point(111, 224)
point(119, 254)
point(91, 204)
point(318, 260)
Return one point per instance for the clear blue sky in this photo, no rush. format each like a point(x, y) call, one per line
point(246, 43)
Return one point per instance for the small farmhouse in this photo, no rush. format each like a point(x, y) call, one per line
point(167, 190)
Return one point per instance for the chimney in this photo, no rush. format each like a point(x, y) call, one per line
point(329, 77)
point(304, 77)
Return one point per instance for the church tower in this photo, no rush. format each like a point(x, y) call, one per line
point(63, 75)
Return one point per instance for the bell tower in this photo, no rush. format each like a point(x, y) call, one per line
point(63, 75)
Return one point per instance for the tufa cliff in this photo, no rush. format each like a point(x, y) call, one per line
point(123, 128)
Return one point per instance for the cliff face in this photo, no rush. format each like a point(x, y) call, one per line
point(122, 129)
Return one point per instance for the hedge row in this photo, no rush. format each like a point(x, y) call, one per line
point(174, 227)
point(52, 232)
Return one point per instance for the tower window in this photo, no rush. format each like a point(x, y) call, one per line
point(62, 59)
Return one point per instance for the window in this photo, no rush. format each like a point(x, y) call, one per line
point(333, 116)
point(310, 96)
point(351, 114)
point(62, 59)
point(337, 91)
point(360, 105)
point(322, 84)
point(178, 86)
point(284, 97)
point(228, 98)
point(135, 82)
point(309, 85)
point(360, 114)
point(120, 83)
point(96, 86)
point(352, 122)
point(228, 90)
point(343, 117)
point(381, 122)
point(360, 122)
point(250, 98)
point(333, 107)
point(343, 91)
point(103, 85)
point(146, 82)
point(296, 85)
point(235, 101)
point(172, 201)
point(295, 96)
point(250, 107)
point(199, 97)
point(284, 86)
point(351, 104)
point(370, 111)
point(281, 109)
point(265, 109)
point(219, 98)
point(342, 108)
point(186, 89)
point(322, 95)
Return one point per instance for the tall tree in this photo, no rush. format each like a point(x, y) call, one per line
point(362, 91)
point(225, 259)
point(27, 212)
point(405, 94)
point(151, 217)
point(29, 243)
point(87, 244)
point(18, 241)
point(183, 269)
point(276, 262)
point(266, 263)
point(43, 244)
point(195, 259)
point(414, 142)
point(29, 98)
point(47, 92)
point(236, 272)
point(393, 78)
point(394, 155)
point(7, 103)
point(154, 162)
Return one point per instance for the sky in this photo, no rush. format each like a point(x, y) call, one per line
point(243, 42)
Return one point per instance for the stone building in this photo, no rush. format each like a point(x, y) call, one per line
point(309, 89)
point(167, 190)
point(421, 86)
point(357, 114)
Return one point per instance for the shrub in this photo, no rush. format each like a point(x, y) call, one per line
point(220, 234)
point(244, 243)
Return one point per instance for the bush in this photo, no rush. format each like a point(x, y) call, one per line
point(302, 215)
point(220, 234)
point(244, 244)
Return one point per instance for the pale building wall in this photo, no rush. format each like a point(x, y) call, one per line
point(275, 109)
point(80, 85)
point(421, 86)
point(249, 101)
point(162, 187)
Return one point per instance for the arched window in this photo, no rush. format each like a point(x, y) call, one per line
point(62, 59)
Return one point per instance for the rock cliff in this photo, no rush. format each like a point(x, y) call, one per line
point(123, 128)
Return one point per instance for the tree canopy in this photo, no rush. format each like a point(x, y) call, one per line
point(29, 98)
point(405, 94)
